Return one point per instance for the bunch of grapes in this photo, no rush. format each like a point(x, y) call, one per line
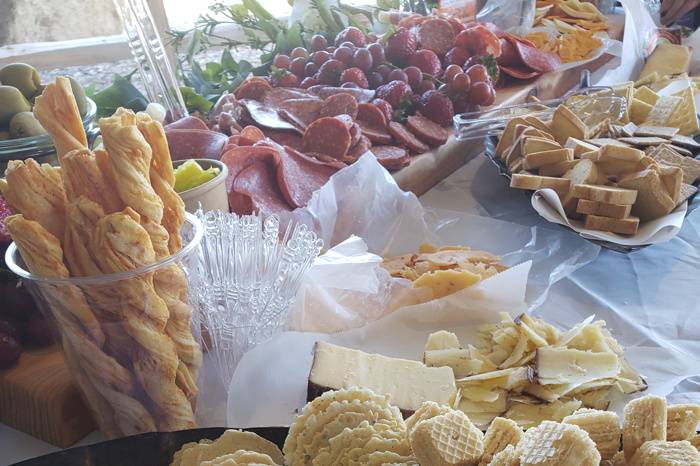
point(468, 88)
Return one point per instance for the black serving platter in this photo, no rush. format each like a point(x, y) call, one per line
point(490, 152)
point(153, 449)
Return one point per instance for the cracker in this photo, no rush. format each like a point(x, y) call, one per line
point(687, 191)
point(665, 132)
point(644, 141)
point(624, 226)
point(664, 108)
point(690, 167)
point(600, 142)
point(685, 141)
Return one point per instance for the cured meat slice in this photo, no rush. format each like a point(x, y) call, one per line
point(284, 138)
point(188, 122)
point(326, 160)
point(327, 135)
point(362, 146)
point(195, 143)
point(509, 56)
point(372, 115)
point(300, 176)
point(375, 134)
point(361, 95)
point(437, 35)
point(266, 116)
point(236, 160)
point(404, 137)
point(391, 157)
point(339, 104)
point(300, 112)
point(253, 88)
point(519, 73)
point(355, 134)
point(257, 182)
point(278, 95)
point(537, 59)
point(427, 130)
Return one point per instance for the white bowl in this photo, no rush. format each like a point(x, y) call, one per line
point(211, 195)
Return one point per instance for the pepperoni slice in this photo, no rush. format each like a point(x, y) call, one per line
point(327, 135)
point(362, 146)
point(339, 104)
point(376, 135)
point(284, 138)
point(404, 137)
point(372, 115)
point(437, 35)
point(252, 88)
point(252, 133)
point(257, 182)
point(300, 112)
point(326, 160)
point(391, 157)
point(519, 73)
point(427, 130)
point(355, 134)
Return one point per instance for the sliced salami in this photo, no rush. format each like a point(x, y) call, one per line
point(265, 116)
point(427, 130)
point(437, 35)
point(537, 59)
point(339, 104)
point(375, 134)
point(300, 112)
point(237, 159)
point(257, 182)
point(355, 134)
point(521, 72)
point(188, 122)
point(252, 133)
point(284, 138)
point(361, 95)
point(279, 95)
point(253, 88)
point(326, 160)
point(391, 157)
point(362, 146)
point(327, 135)
point(299, 176)
point(404, 137)
point(372, 115)
point(195, 143)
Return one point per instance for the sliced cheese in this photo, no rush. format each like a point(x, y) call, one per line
point(571, 366)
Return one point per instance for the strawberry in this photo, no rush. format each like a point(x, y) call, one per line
point(394, 92)
point(329, 72)
point(354, 75)
point(4, 213)
point(400, 46)
point(427, 61)
point(385, 107)
point(351, 34)
point(437, 107)
point(308, 82)
point(281, 77)
point(456, 56)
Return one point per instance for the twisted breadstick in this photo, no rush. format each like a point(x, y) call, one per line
point(82, 176)
point(42, 253)
point(125, 245)
point(36, 191)
point(163, 179)
point(58, 113)
point(131, 159)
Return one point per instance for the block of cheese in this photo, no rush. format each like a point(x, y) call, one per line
point(407, 383)
point(603, 209)
point(566, 124)
point(605, 194)
point(540, 159)
point(667, 59)
point(532, 145)
point(534, 182)
point(557, 169)
point(579, 146)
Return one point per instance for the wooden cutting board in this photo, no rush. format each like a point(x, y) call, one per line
point(38, 397)
point(427, 169)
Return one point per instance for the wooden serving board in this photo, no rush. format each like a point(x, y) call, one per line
point(38, 397)
point(427, 169)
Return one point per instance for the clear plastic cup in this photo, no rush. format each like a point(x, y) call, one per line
point(128, 338)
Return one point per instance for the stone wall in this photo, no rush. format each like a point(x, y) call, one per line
point(25, 21)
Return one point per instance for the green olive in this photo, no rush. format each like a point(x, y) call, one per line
point(24, 125)
point(11, 102)
point(22, 76)
point(4, 135)
point(80, 97)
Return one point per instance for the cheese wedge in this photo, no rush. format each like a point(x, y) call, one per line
point(579, 146)
point(685, 117)
point(646, 95)
point(540, 159)
point(639, 111)
point(566, 124)
point(667, 59)
point(533, 144)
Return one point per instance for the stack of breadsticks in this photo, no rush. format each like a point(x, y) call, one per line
point(128, 342)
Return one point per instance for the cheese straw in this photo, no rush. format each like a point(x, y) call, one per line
point(58, 113)
point(125, 245)
point(82, 176)
point(112, 382)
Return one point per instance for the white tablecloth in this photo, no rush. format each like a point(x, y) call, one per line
point(651, 297)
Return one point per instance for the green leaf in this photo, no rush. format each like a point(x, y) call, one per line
point(213, 69)
point(293, 36)
point(121, 93)
point(195, 45)
point(338, 20)
point(228, 62)
point(194, 101)
point(258, 10)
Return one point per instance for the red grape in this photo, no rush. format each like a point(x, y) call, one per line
point(371, 38)
point(343, 54)
point(414, 75)
point(299, 52)
point(320, 57)
point(310, 69)
point(362, 59)
point(444, 88)
point(397, 75)
point(460, 83)
point(282, 61)
point(492, 96)
point(377, 51)
point(425, 86)
point(330, 49)
point(318, 42)
point(478, 73)
point(480, 93)
point(348, 44)
point(308, 82)
point(384, 70)
point(375, 79)
point(298, 65)
point(450, 72)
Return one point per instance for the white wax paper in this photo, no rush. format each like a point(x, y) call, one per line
point(547, 203)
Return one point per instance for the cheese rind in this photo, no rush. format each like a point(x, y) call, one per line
point(407, 383)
